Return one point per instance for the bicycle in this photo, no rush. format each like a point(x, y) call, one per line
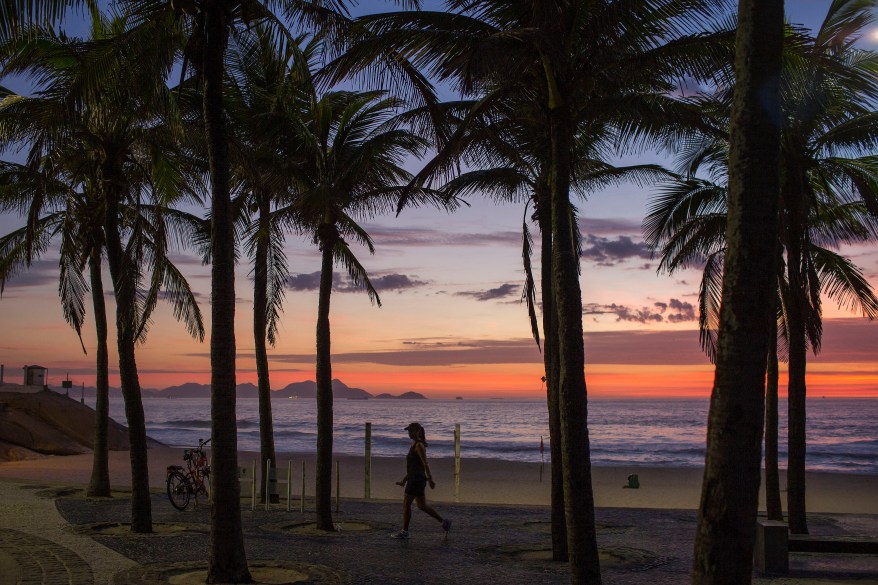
point(194, 479)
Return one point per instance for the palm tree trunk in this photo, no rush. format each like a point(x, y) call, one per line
point(99, 484)
point(323, 490)
point(260, 327)
point(550, 362)
point(730, 490)
point(772, 475)
point(582, 548)
point(123, 272)
point(796, 387)
point(227, 560)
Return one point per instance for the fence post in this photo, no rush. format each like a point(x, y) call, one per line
point(457, 462)
point(337, 486)
point(253, 487)
point(289, 484)
point(267, 483)
point(368, 488)
point(303, 488)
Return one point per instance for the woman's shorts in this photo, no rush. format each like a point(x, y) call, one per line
point(415, 487)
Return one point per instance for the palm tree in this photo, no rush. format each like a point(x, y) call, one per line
point(509, 162)
point(75, 222)
point(127, 155)
point(829, 134)
point(575, 61)
point(351, 169)
point(729, 497)
point(827, 205)
point(264, 94)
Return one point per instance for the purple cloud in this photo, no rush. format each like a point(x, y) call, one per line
point(501, 292)
point(304, 281)
point(675, 311)
point(39, 273)
point(607, 252)
point(396, 282)
point(341, 283)
point(609, 226)
point(416, 237)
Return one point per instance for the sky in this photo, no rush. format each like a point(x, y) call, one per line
point(451, 321)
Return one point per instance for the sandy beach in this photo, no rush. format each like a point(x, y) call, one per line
point(481, 481)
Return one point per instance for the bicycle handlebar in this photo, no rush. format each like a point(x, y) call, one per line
point(202, 443)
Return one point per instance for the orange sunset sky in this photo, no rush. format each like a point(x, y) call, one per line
point(451, 323)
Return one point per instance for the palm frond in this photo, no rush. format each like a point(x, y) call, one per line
point(343, 255)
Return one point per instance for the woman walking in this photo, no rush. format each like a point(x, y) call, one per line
point(416, 478)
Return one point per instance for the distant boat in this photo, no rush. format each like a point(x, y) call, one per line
point(459, 398)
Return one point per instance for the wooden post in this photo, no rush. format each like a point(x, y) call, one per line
point(253, 487)
point(267, 483)
point(457, 462)
point(303, 488)
point(289, 484)
point(337, 486)
point(367, 491)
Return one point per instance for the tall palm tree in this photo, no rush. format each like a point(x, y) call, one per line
point(351, 169)
point(127, 155)
point(828, 137)
point(584, 58)
point(830, 131)
point(265, 95)
point(76, 223)
point(507, 154)
point(729, 497)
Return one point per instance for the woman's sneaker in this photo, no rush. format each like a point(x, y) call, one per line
point(446, 525)
point(400, 535)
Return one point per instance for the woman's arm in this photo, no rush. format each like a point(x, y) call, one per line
point(422, 453)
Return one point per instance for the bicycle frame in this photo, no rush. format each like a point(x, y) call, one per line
point(192, 480)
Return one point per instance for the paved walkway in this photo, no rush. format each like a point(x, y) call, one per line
point(73, 540)
point(36, 549)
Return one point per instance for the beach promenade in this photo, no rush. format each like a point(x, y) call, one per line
point(50, 533)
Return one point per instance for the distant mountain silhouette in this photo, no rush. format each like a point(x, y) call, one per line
point(308, 389)
point(403, 396)
point(305, 389)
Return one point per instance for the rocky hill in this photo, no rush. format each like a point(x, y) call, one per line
point(46, 423)
point(306, 389)
point(403, 396)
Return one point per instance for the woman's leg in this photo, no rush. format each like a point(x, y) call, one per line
point(422, 505)
point(407, 511)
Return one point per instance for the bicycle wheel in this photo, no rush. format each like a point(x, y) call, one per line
point(178, 490)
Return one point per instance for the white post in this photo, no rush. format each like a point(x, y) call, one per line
point(367, 493)
point(303, 488)
point(253, 487)
point(337, 486)
point(267, 483)
point(457, 462)
point(289, 484)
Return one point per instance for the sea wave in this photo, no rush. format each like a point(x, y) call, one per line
point(631, 432)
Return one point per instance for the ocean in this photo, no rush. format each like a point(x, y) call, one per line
point(842, 433)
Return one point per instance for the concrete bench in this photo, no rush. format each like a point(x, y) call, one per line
point(774, 543)
point(771, 553)
point(851, 545)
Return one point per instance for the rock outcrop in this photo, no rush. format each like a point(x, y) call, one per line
point(45, 423)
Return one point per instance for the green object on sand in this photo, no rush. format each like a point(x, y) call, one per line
point(633, 482)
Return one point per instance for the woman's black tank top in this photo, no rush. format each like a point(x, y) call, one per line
point(414, 467)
